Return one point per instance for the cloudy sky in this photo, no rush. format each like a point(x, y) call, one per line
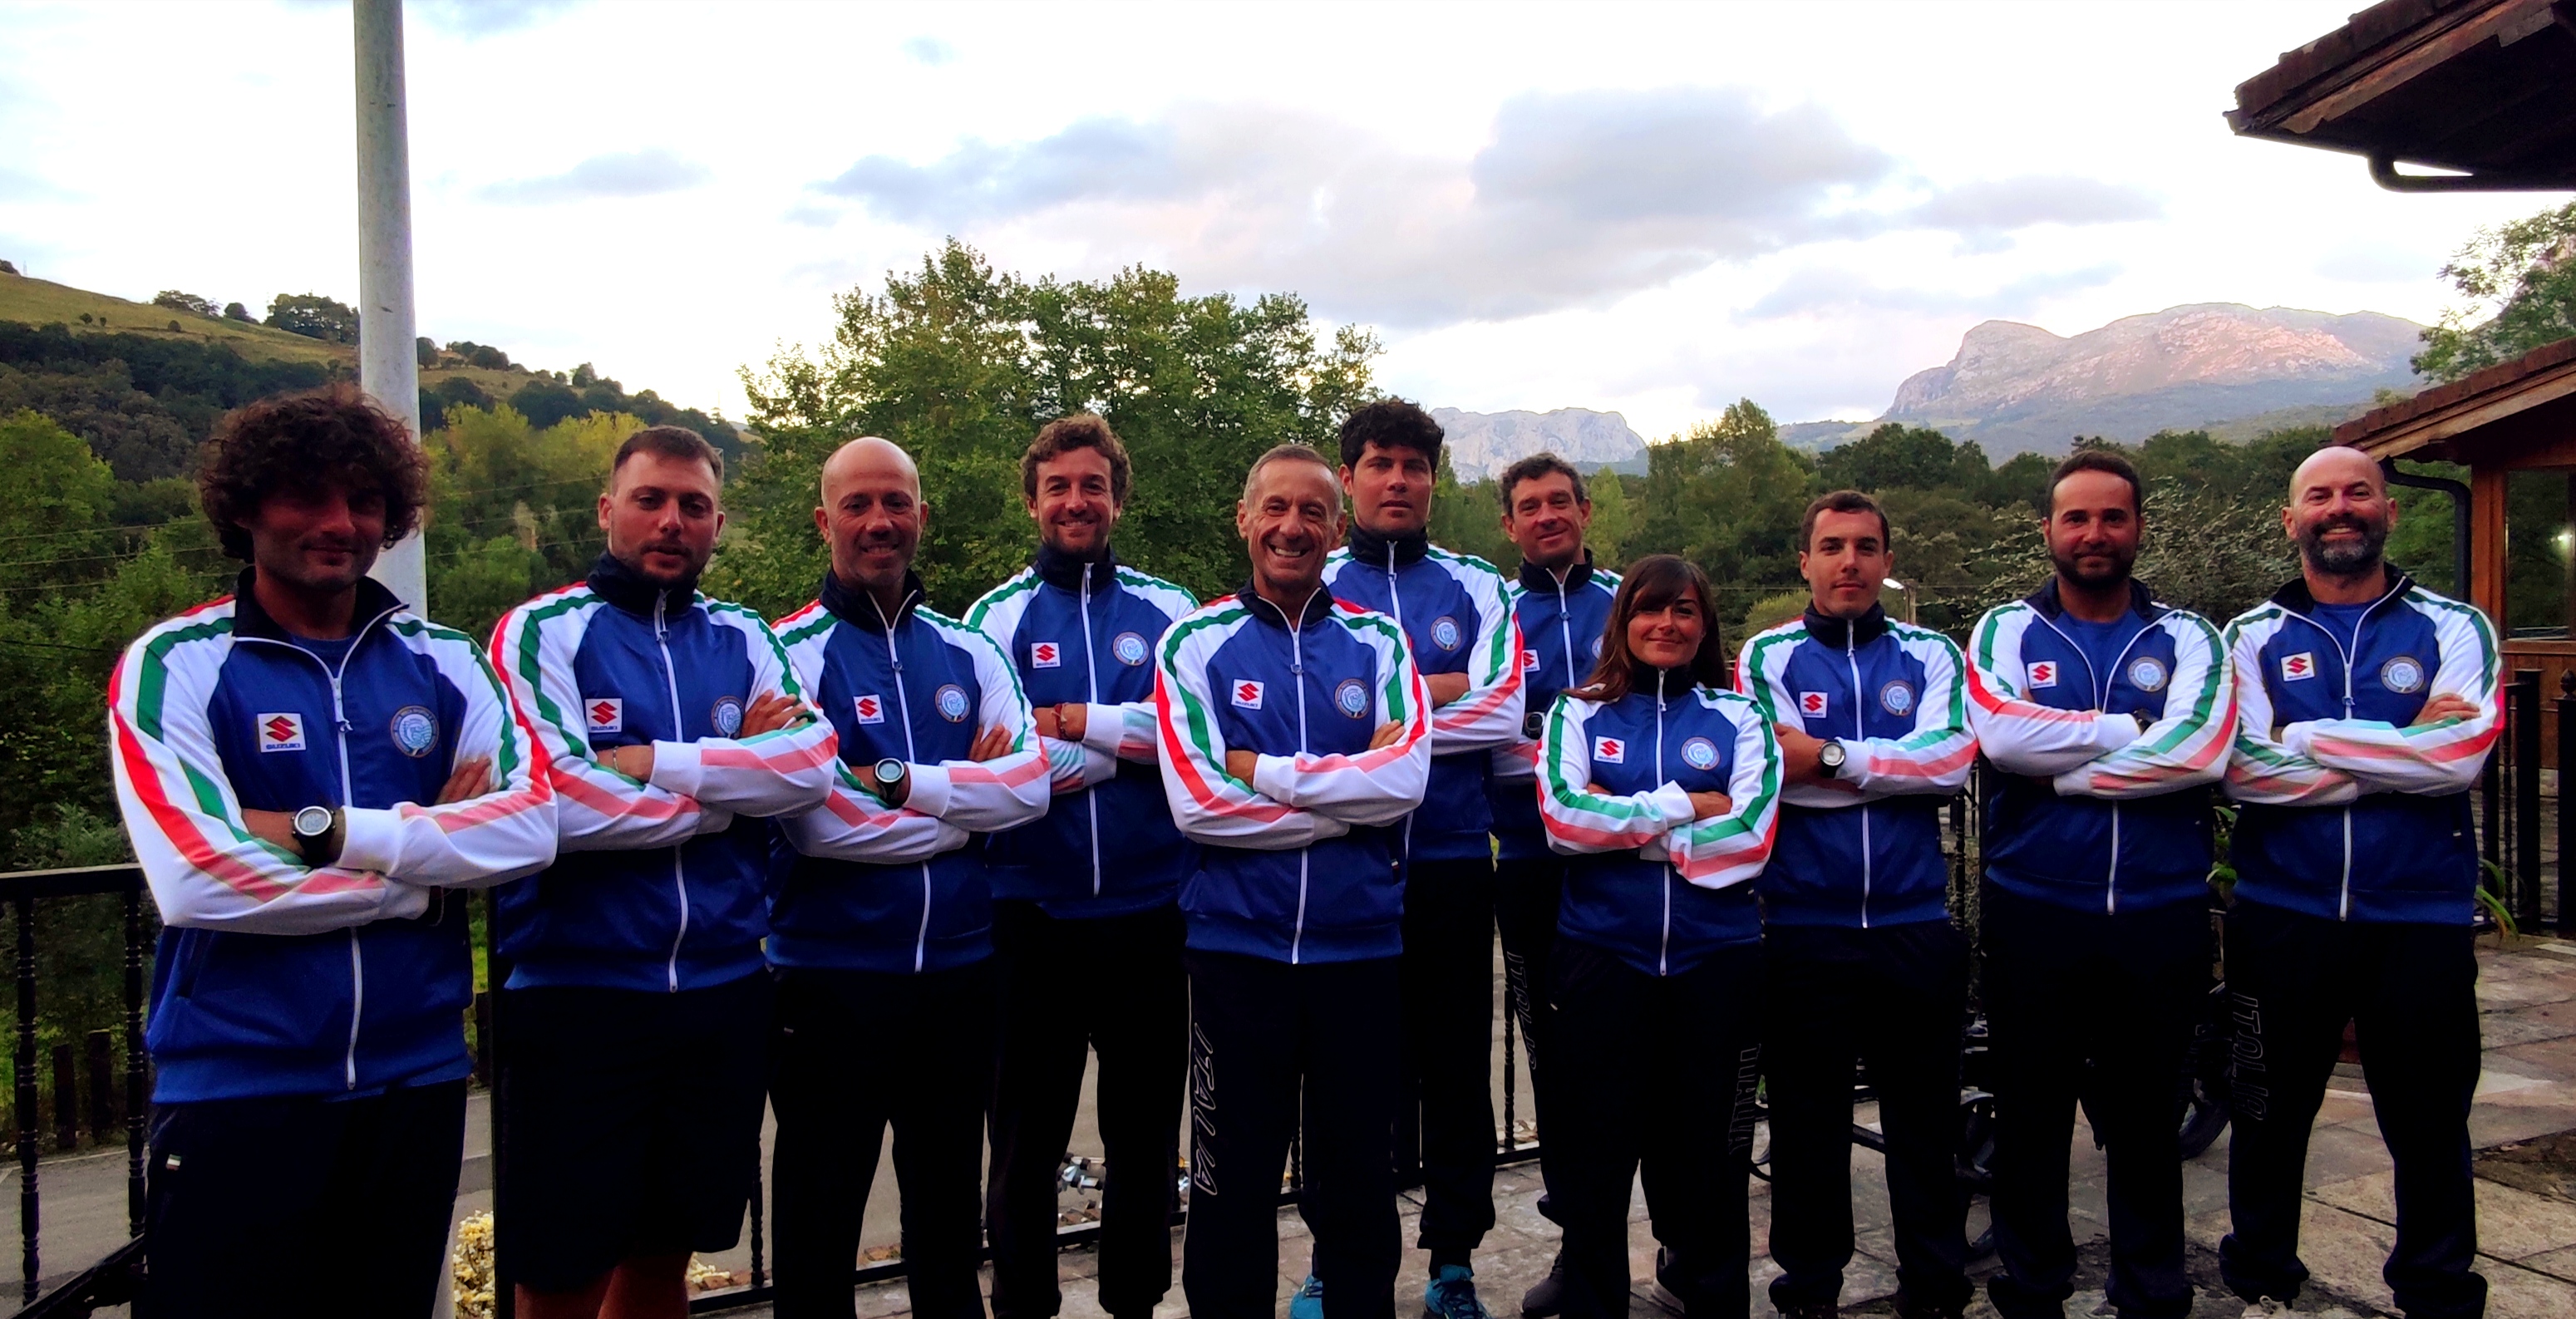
point(1644, 208)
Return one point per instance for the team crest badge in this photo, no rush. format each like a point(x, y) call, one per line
point(1596, 650)
point(2402, 674)
point(280, 732)
point(415, 730)
point(1045, 655)
point(604, 714)
point(1609, 751)
point(2040, 673)
point(1897, 698)
point(871, 708)
point(1812, 704)
point(726, 716)
point(2147, 673)
point(1129, 648)
point(2296, 667)
point(1699, 753)
point(951, 703)
point(1246, 695)
point(1352, 698)
point(1444, 632)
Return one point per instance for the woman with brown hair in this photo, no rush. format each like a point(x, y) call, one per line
point(1663, 786)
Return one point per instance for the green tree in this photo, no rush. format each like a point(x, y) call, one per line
point(1727, 496)
point(2520, 282)
point(1894, 456)
point(314, 317)
point(187, 302)
point(1611, 517)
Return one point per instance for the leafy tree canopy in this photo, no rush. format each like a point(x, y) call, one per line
point(2520, 282)
point(314, 317)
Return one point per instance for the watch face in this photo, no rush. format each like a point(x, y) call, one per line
point(1831, 755)
point(889, 770)
point(313, 821)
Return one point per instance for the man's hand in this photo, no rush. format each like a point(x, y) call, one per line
point(274, 827)
point(1240, 764)
point(1445, 687)
point(1074, 718)
point(635, 762)
point(992, 744)
point(472, 779)
point(2445, 706)
point(1387, 735)
point(1798, 754)
point(769, 713)
point(1710, 805)
point(1043, 722)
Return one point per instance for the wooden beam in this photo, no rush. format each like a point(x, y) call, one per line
point(2487, 500)
point(2471, 413)
point(2393, 73)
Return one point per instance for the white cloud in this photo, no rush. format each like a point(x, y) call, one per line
point(648, 173)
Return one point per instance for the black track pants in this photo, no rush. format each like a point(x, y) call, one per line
point(1260, 1032)
point(1894, 999)
point(2410, 992)
point(1445, 1115)
point(857, 1052)
point(2122, 991)
point(1114, 986)
point(1527, 893)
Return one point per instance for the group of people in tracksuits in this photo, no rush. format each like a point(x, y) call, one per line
point(873, 868)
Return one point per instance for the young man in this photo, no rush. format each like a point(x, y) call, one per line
point(2108, 715)
point(882, 922)
point(306, 768)
point(2366, 708)
point(1294, 733)
point(637, 1012)
point(1085, 926)
point(1454, 614)
point(1862, 957)
point(1561, 605)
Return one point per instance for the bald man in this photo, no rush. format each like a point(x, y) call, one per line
point(2366, 708)
point(881, 938)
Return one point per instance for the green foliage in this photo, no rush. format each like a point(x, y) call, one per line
point(187, 302)
point(1613, 518)
point(482, 355)
point(1728, 496)
point(2520, 282)
point(314, 317)
point(1769, 612)
point(515, 508)
point(234, 311)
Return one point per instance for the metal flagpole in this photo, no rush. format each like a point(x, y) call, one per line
point(388, 370)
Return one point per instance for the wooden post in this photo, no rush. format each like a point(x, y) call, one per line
point(2487, 501)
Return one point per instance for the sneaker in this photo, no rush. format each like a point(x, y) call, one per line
point(1309, 1301)
point(1547, 1299)
point(1452, 1295)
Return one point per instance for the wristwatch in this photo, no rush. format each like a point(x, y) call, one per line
point(888, 776)
point(2145, 720)
point(1829, 759)
point(318, 835)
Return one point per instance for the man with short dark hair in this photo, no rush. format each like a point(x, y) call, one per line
point(1295, 733)
point(2109, 714)
point(1455, 615)
point(634, 1029)
point(1086, 932)
point(2366, 707)
point(1863, 961)
point(306, 768)
point(1560, 605)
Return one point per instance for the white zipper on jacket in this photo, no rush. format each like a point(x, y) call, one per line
point(1297, 679)
point(1565, 629)
point(1395, 606)
point(1091, 674)
point(2343, 902)
point(1664, 952)
point(2102, 701)
point(911, 756)
point(679, 732)
point(1860, 730)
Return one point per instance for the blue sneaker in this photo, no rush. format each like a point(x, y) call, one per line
point(1452, 1295)
point(1309, 1302)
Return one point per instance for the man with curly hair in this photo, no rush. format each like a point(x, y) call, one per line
point(308, 769)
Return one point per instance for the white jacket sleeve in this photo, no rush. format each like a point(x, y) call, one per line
point(783, 772)
point(2261, 769)
point(484, 840)
point(1729, 849)
point(1938, 755)
point(853, 825)
point(2429, 759)
point(2019, 735)
point(994, 795)
point(2185, 748)
point(1489, 713)
point(1210, 805)
point(1579, 820)
point(1371, 787)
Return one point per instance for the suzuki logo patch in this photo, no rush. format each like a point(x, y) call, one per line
point(1044, 655)
point(280, 732)
point(1247, 695)
point(1529, 661)
point(1609, 750)
point(1811, 704)
point(605, 714)
point(2040, 673)
point(2301, 665)
point(871, 709)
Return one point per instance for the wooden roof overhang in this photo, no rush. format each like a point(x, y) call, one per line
point(2485, 87)
point(2514, 414)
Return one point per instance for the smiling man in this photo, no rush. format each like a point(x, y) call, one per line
point(2366, 707)
point(1087, 936)
point(1295, 733)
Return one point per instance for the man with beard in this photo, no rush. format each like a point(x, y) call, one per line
point(2109, 715)
point(881, 927)
point(1294, 732)
point(1455, 615)
point(2367, 706)
point(1085, 930)
point(634, 1029)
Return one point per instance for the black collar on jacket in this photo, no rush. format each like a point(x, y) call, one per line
point(2048, 601)
point(1536, 578)
point(250, 620)
point(1854, 633)
point(1065, 571)
point(1401, 551)
point(611, 580)
point(2295, 597)
point(1669, 683)
point(859, 608)
point(1318, 606)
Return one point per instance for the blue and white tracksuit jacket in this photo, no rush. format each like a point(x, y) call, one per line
point(866, 887)
point(2122, 821)
point(1455, 614)
point(2352, 812)
point(1562, 621)
point(1299, 864)
point(1863, 849)
point(277, 979)
point(1086, 632)
point(661, 885)
point(1649, 883)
